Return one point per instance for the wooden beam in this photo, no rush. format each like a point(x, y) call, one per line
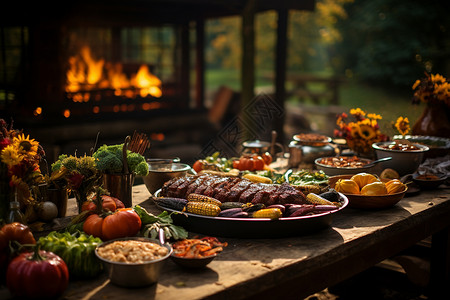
point(248, 64)
point(280, 71)
point(200, 63)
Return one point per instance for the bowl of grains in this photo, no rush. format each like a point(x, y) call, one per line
point(343, 165)
point(133, 261)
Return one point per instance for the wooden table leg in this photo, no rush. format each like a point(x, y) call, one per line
point(440, 263)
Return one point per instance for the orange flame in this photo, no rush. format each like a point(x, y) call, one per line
point(86, 73)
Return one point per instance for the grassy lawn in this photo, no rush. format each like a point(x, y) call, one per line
point(352, 94)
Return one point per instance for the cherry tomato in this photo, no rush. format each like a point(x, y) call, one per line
point(267, 158)
point(258, 162)
point(198, 166)
point(246, 163)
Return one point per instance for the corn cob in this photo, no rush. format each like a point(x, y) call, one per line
point(228, 205)
point(271, 213)
point(257, 178)
point(201, 198)
point(312, 198)
point(309, 188)
point(202, 208)
point(173, 203)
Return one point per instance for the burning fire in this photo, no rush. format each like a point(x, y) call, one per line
point(86, 73)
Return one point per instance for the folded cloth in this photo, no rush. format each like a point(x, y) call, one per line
point(437, 166)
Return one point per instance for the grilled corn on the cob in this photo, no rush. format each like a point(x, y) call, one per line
point(271, 213)
point(202, 208)
point(313, 198)
point(257, 178)
point(309, 188)
point(201, 198)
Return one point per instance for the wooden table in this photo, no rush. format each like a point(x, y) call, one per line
point(297, 267)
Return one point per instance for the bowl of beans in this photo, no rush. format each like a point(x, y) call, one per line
point(343, 165)
point(133, 261)
point(406, 156)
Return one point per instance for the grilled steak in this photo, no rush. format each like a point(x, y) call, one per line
point(227, 189)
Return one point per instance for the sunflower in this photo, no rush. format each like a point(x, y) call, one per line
point(25, 145)
point(402, 125)
point(10, 156)
point(366, 131)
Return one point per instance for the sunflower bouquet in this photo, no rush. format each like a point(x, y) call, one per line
point(360, 133)
point(432, 89)
point(20, 159)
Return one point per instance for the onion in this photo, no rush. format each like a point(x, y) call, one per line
point(47, 211)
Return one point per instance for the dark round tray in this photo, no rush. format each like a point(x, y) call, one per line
point(254, 228)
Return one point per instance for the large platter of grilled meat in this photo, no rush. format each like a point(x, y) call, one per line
point(235, 189)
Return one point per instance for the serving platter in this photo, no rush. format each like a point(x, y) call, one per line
point(249, 228)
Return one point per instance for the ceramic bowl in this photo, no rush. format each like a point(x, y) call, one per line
point(134, 274)
point(333, 171)
point(404, 162)
point(428, 182)
point(161, 171)
point(193, 263)
point(368, 202)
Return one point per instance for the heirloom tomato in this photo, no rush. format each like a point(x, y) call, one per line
point(267, 158)
point(108, 203)
point(121, 223)
point(40, 274)
point(9, 233)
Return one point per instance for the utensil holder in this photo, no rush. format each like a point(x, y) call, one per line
point(120, 186)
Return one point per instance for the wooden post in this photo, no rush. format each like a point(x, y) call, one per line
point(280, 71)
point(248, 63)
point(200, 63)
point(185, 65)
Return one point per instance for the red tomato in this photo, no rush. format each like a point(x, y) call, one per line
point(246, 163)
point(108, 203)
point(37, 275)
point(258, 162)
point(122, 223)
point(267, 158)
point(236, 164)
point(198, 166)
point(12, 232)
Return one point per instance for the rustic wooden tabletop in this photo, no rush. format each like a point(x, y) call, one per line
point(297, 266)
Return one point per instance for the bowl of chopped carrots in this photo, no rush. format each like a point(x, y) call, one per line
point(196, 252)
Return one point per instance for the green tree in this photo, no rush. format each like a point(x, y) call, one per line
point(394, 42)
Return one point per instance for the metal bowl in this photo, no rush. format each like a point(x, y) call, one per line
point(134, 274)
point(404, 162)
point(161, 171)
point(333, 171)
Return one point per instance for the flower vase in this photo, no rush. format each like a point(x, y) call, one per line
point(59, 196)
point(434, 121)
point(361, 148)
point(120, 186)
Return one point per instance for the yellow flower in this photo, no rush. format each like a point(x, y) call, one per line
point(357, 111)
point(25, 145)
point(367, 132)
point(437, 78)
point(374, 116)
point(402, 125)
point(10, 156)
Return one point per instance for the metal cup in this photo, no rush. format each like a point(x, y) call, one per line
point(120, 186)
